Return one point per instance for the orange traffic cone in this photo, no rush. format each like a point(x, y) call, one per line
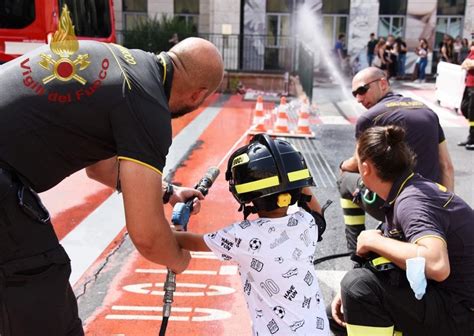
point(259, 117)
point(281, 124)
point(303, 120)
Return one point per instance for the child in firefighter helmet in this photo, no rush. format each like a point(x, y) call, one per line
point(275, 250)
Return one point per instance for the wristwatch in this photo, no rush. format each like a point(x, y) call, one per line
point(168, 193)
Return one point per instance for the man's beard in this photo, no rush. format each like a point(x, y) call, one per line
point(179, 112)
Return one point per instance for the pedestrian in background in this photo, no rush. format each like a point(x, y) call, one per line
point(467, 104)
point(465, 48)
point(422, 61)
point(401, 48)
point(371, 49)
point(457, 46)
point(447, 49)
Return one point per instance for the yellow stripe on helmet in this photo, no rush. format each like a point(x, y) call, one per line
point(298, 175)
point(257, 185)
point(270, 181)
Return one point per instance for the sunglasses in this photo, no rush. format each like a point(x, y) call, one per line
point(361, 90)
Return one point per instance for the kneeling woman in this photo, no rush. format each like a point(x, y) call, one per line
point(428, 237)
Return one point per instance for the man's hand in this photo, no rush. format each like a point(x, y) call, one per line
point(182, 194)
point(468, 64)
point(366, 240)
point(349, 165)
point(185, 259)
point(336, 310)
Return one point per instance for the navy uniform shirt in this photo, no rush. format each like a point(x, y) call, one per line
point(423, 131)
point(418, 208)
point(62, 112)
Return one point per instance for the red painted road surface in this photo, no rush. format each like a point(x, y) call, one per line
point(211, 304)
point(208, 299)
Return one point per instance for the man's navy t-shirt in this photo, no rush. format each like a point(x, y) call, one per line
point(423, 131)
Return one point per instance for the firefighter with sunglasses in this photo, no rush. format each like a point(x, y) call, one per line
point(424, 136)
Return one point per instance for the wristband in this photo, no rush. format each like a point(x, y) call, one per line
point(340, 164)
point(168, 193)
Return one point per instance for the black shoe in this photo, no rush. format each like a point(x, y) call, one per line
point(469, 146)
point(463, 143)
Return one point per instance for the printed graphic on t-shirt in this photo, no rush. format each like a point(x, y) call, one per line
point(278, 278)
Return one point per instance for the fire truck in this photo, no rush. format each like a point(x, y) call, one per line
point(28, 24)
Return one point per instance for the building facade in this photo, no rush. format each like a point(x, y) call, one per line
point(263, 34)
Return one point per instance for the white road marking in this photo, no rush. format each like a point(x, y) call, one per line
point(208, 314)
point(207, 290)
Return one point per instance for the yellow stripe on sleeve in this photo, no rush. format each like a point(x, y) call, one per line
point(140, 163)
point(356, 330)
point(354, 220)
point(348, 204)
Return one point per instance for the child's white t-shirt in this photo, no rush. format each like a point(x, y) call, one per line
point(275, 259)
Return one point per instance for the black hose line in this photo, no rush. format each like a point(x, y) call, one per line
point(331, 256)
point(164, 324)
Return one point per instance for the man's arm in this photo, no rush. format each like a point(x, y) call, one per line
point(146, 223)
point(350, 165)
point(446, 167)
point(104, 171)
point(191, 241)
point(468, 64)
point(313, 204)
point(433, 249)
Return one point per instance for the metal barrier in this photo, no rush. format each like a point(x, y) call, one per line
point(260, 52)
point(450, 83)
point(305, 69)
point(263, 53)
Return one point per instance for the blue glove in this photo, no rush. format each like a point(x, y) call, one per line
point(416, 276)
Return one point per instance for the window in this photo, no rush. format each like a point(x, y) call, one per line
point(16, 14)
point(451, 25)
point(335, 18)
point(336, 7)
point(449, 20)
point(279, 6)
point(90, 18)
point(393, 7)
point(278, 28)
point(134, 11)
point(187, 11)
point(451, 7)
point(392, 17)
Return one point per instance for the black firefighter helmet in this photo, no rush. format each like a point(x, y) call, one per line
point(266, 167)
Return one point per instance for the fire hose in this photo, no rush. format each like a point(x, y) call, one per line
point(180, 219)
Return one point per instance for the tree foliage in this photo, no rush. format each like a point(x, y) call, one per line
point(152, 34)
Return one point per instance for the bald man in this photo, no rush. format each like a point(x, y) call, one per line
point(75, 105)
point(424, 136)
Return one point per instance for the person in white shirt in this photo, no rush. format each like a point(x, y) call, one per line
point(275, 251)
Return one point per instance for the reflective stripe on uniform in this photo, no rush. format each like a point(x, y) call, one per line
point(356, 330)
point(348, 204)
point(354, 220)
point(380, 261)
